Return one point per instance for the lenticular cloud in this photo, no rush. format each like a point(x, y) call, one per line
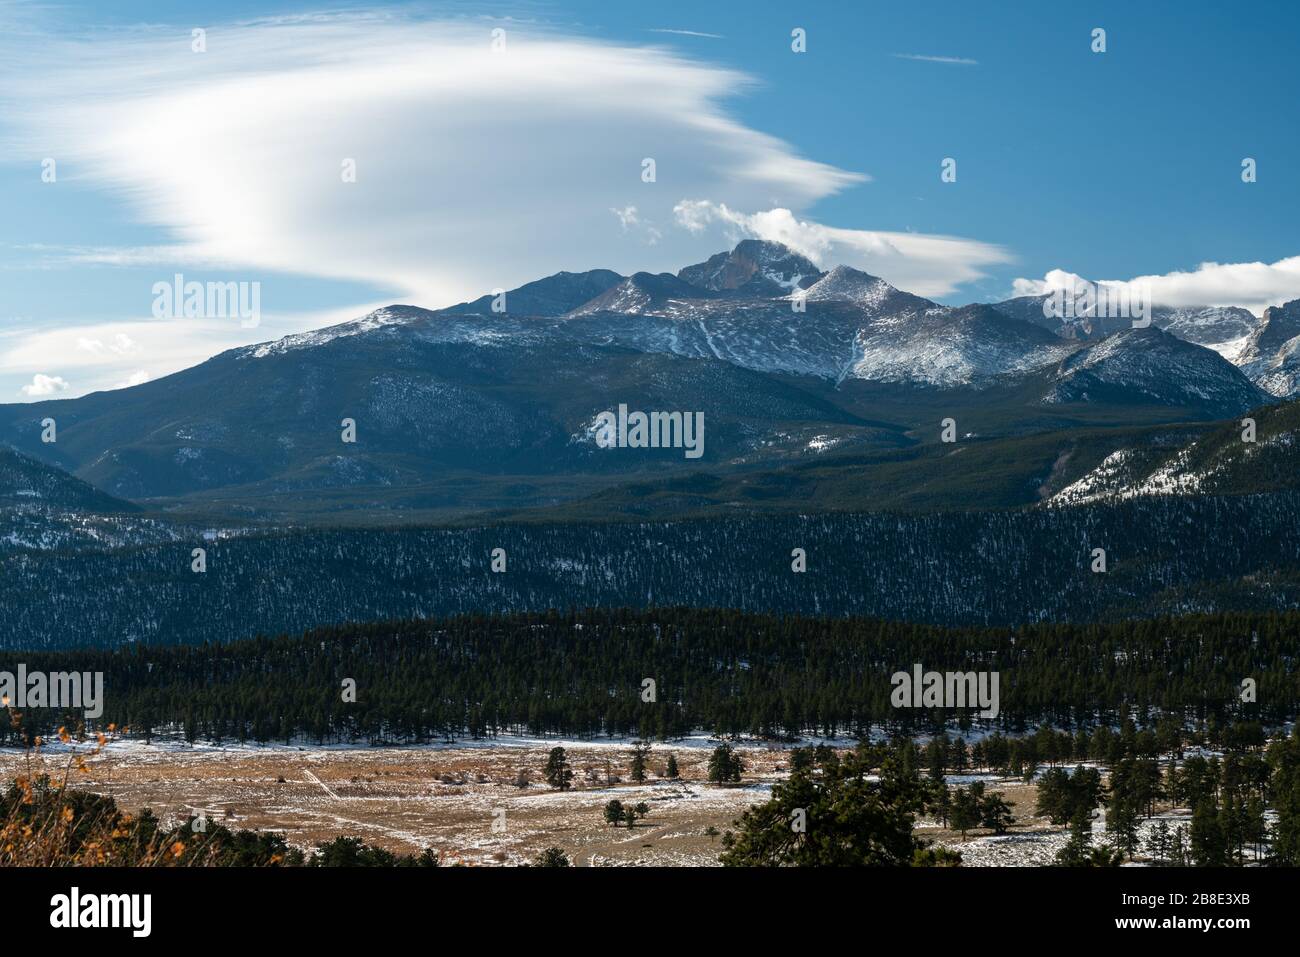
point(476, 164)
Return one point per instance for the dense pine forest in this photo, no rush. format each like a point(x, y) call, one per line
point(1163, 556)
point(584, 674)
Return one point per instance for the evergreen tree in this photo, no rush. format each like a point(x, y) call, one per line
point(558, 773)
point(995, 813)
point(725, 765)
point(640, 751)
point(965, 813)
point(614, 812)
point(552, 857)
point(1208, 846)
point(850, 820)
point(1284, 761)
point(1076, 851)
point(1055, 798)
point(1122, 823)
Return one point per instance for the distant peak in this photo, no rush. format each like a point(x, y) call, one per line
point(848, 272)
point(1288, 311)
point(766, 249)
point(755, 267)
point(846, 284)
point(552, 295)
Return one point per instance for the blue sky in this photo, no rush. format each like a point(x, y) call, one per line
point(479, 170)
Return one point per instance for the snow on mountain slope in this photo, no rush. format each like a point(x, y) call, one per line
point(1151, 366)
point(844, 284)
point(1121, 476)
point(1223, 460)
point(380, 318)
point(640, 294)
point(763, 307)
point(1205, 325)
point(1271, 354)
point(940, 346)
point(852, 326)
point(1265, 349)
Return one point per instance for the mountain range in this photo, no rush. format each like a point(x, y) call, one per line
point(491, 405)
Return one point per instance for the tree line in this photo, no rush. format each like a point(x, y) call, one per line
point(665, 673)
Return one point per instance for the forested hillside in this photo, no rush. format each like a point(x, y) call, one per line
point(584, 674)
point(1163, 556)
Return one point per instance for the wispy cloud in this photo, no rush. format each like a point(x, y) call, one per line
point(956, 60)
point(465, 155)
point(48, 255)
point(120, 345)
point(688, 33)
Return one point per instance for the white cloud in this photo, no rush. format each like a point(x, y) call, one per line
point(955, 60)
point(107, 355)
point(43, 385)
point(1254, 286)
point(475, 169)
point(927, 265)
point(121, 345)
point(135, 378)
point(689, 33)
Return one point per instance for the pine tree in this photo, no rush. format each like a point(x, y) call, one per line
point(965, 813)
point(852, 820)
point(1076, 851)
point(725, 766)
point(936, 753)
point(1284, 762)
point(614, 812)
point(1122, 823)
point(1208, 848)
point(1054, 796)
point(671, 770)
point(995, 813)
point(640, 751)
point(552, 857)
point(941, 804)
point(558, 773)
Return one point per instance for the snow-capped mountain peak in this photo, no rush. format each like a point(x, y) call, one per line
point(845, 284)
point(763, 307)
point(754, 268)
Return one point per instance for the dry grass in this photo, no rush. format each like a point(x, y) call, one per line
point(464, 802)
point(48, 820)
point(406, 799)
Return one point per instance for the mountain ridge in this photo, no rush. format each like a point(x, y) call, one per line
point(480, 407)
